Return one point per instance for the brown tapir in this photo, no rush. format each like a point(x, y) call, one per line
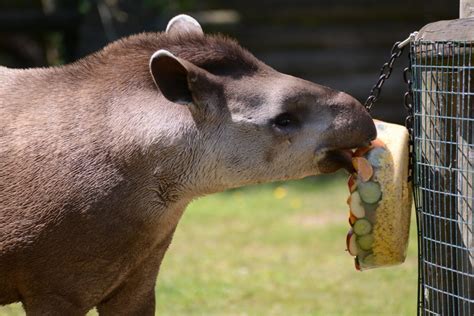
point(99, 158)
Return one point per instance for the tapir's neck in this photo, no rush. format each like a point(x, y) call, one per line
point(163, 142)
point(158, 144)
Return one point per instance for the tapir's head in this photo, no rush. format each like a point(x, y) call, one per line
point(255, 124)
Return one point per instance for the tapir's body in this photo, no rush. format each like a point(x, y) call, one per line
point(98, 160)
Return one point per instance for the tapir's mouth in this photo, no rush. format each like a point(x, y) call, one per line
point(341, 158)
point(336, 159)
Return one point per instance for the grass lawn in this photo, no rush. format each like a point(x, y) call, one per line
point(275, 249)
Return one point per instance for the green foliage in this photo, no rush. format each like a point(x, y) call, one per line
point(84, 6)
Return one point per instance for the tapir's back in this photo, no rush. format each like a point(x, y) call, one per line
point(51, 156)
point(67, 135)
point(63, 136)
point(19, 166)
point(55, 170)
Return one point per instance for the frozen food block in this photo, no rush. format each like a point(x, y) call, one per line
point(380, 214)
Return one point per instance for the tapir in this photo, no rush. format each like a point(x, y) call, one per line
point(99, 158)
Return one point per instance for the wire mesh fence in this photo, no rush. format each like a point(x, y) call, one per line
point(443, 86)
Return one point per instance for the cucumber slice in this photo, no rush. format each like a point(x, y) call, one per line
point(369, 192)
point(374, 156)
point(365, 242)
point(370, 208)
point(362, 227)
point(370, 211)
point(368, 260)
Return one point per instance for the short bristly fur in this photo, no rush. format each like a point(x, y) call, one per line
point(97, 166)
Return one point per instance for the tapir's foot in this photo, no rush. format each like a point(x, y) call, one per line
point(51, 305)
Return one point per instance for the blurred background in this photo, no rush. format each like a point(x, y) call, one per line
point(341, 43)
point(276, 249)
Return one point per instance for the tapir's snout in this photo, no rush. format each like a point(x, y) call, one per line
point(352, 122)
point(351, 127)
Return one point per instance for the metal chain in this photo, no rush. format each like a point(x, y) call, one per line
point(408, 100)
point(385, 73)
point(386, 70)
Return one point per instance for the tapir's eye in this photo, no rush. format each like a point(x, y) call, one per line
point(285, 120)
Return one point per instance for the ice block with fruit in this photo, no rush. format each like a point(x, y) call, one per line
point(380, 199)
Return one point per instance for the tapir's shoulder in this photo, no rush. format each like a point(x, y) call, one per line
point(9, 76)
point(7, 73)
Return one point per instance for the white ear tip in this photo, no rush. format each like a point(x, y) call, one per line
point(182, 18)
point(162, 52)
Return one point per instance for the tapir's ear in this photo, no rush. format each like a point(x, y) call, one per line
point(170, 76)
point(181, 81)
point(184, 24)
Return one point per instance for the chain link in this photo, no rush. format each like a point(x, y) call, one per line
point(385, 73)
point(408, 100)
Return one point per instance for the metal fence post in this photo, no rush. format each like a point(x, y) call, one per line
point(466, 8)
point(443, 71)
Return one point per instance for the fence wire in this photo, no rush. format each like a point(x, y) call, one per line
point(443, 87)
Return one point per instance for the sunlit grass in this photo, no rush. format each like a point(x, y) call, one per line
point(275, 249)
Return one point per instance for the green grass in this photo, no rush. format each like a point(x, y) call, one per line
point(275, 249)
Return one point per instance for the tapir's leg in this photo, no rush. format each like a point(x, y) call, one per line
point(136, 295)
point(51, 305)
